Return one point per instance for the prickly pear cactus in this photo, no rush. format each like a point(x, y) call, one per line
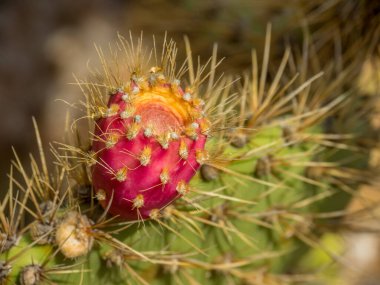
point(124, 203)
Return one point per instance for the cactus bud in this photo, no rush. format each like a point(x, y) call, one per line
point(73, 235)
point(7, 241)
point(5, 270)
point(31, 275)
point(209, 173)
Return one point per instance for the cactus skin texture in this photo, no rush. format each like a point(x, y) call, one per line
point(150, 141)
point(127, 205)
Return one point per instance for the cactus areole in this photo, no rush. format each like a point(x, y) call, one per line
point(149, 143)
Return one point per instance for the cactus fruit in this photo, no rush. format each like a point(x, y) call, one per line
point(150, 143)
point(128, 206)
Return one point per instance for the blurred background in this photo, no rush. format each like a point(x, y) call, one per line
point(43, 42)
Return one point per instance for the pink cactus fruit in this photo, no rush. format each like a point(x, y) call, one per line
point(149, 143)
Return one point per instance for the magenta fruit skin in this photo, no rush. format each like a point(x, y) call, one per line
point(141, 190)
